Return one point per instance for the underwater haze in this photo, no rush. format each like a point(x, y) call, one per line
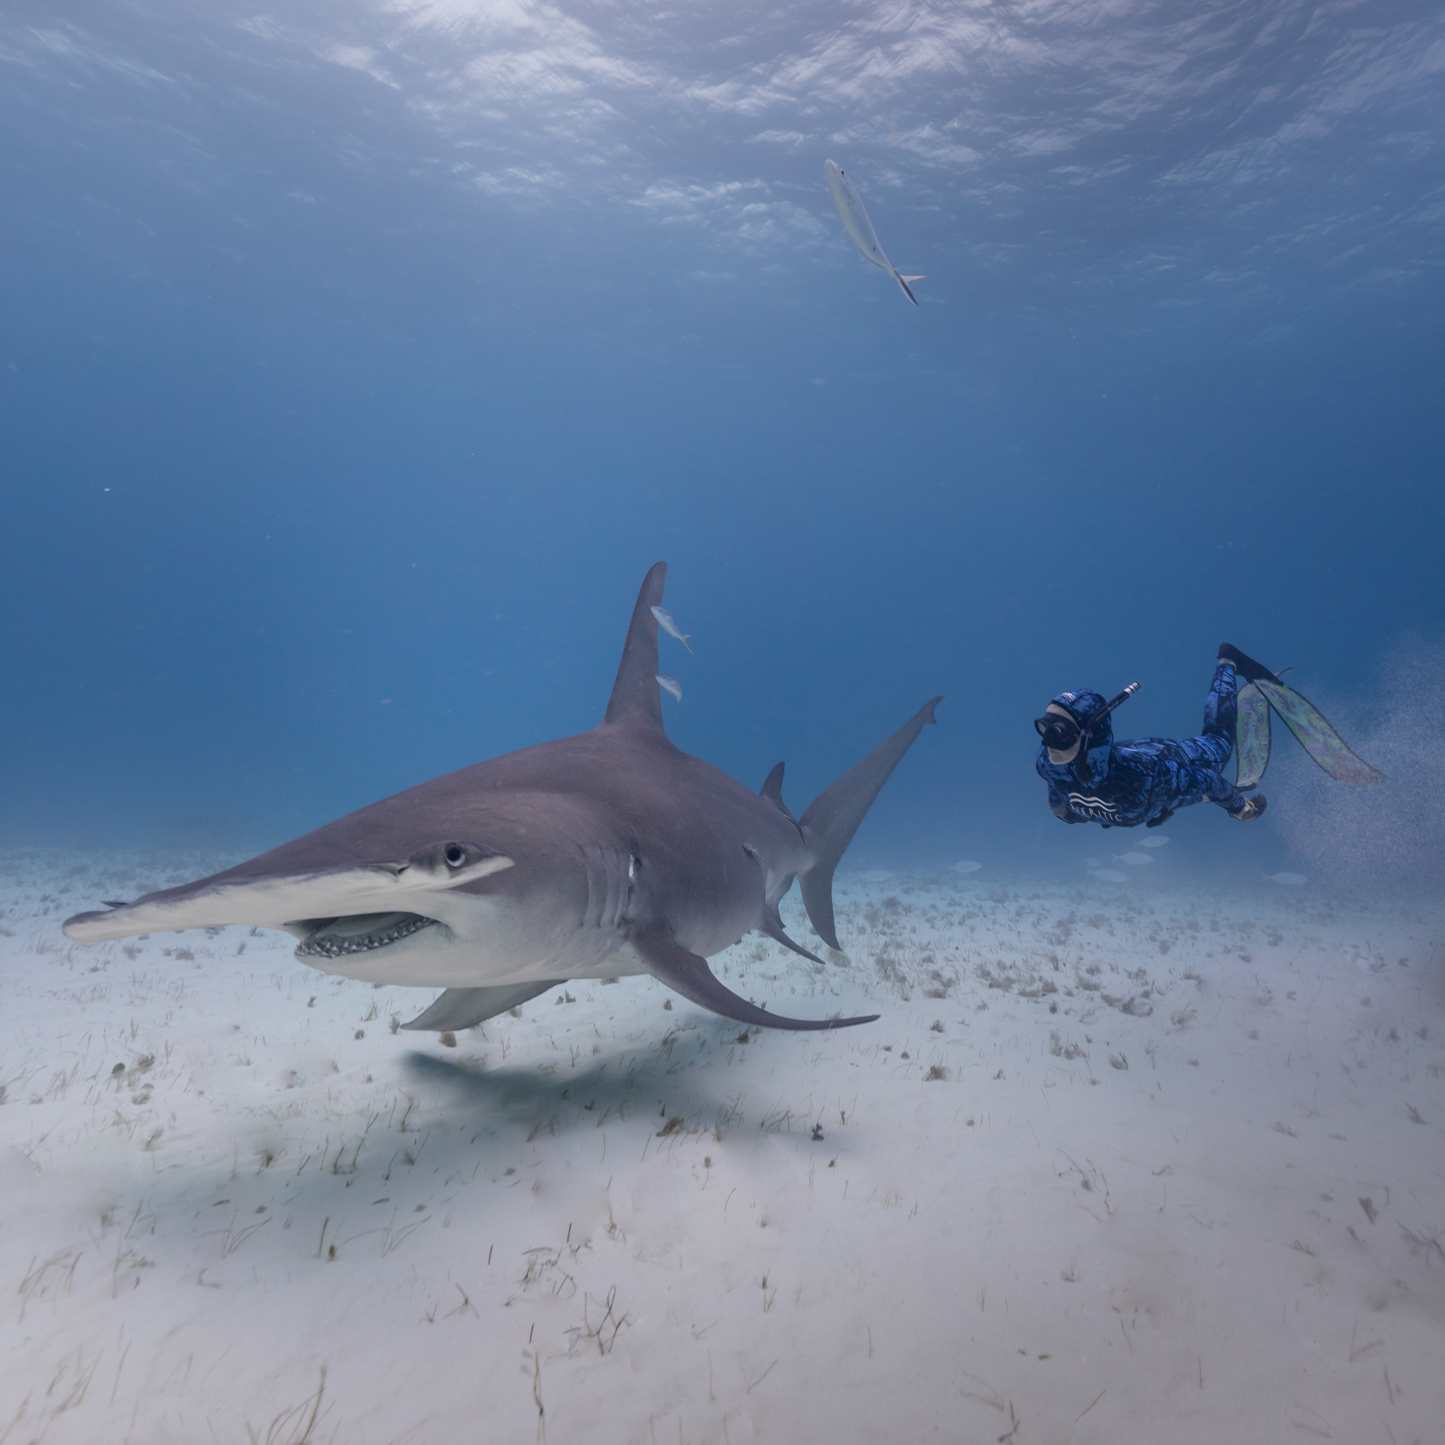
point(359, 359)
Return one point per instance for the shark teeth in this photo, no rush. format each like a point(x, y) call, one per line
point(360, 933)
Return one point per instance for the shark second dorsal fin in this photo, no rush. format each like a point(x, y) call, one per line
point(772, 792)
point(636, 701)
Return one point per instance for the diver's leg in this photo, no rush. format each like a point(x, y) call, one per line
point(1220, 707)
point(1196, 776)
point(1206, 782)
point(1207, 754)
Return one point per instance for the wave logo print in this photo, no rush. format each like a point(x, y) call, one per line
point(1095, 808)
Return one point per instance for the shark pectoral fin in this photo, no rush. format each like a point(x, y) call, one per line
point(462, 1008)
point(1252, 737)
point(688, 974)
point(1315, 735)
point(772, 925)
point(833, 817)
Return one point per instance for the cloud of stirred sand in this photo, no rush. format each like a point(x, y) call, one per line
point(1391, 837)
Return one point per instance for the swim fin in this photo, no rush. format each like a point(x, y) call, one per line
point(1262, 690)
point(1245, 667)
point(1251, 737)
point(1314, 734)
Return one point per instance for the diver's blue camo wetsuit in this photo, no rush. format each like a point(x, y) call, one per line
point(1145, 780)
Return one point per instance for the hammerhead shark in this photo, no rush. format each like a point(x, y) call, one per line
point(609, 853)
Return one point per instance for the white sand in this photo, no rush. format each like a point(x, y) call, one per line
point(1130, 1210)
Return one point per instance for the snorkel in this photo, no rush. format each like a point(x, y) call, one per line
point(1061, 733)
point(1109, 706)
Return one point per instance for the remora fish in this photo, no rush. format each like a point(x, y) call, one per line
point(859, 227)
point(606, 853)
point(668, 623)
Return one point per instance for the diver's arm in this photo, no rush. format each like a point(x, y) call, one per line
point(1059, 806)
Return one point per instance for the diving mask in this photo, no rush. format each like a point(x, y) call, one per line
point(1059, 733)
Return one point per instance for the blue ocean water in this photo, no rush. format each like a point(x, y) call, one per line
point(359, 359)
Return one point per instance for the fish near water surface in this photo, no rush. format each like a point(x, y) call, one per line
point(608, 853)
point(859, 228)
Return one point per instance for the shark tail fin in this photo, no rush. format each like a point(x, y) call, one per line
point(833, 817)
point(903, 282)
point(635, 700)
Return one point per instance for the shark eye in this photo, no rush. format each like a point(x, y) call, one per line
point(455, 855)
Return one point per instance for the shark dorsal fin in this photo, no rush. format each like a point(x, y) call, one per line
point(636, 701)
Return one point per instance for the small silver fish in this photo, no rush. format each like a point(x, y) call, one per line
point(1290, 880)
point(1134, 858)
point(859, 228)
point(670, 684)
point(668, 623)
point(1157, 841)
point(967, 867)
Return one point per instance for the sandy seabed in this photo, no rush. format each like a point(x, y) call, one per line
point(1118, 1163)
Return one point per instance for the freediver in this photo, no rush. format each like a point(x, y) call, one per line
point(1092, 778)
point(1120, 785)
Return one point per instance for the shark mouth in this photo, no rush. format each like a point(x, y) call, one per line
point(358, 933)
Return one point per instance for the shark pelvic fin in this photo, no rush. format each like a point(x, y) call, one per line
point(688, 974)
point(463, 1008)
point(834, 815)
point(772, 925)
point(636, 701)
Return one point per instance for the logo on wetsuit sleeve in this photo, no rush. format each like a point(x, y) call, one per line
point(1092, 807)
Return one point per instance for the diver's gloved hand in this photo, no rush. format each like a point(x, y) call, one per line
point(1245, 667)
point(1252, 808)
